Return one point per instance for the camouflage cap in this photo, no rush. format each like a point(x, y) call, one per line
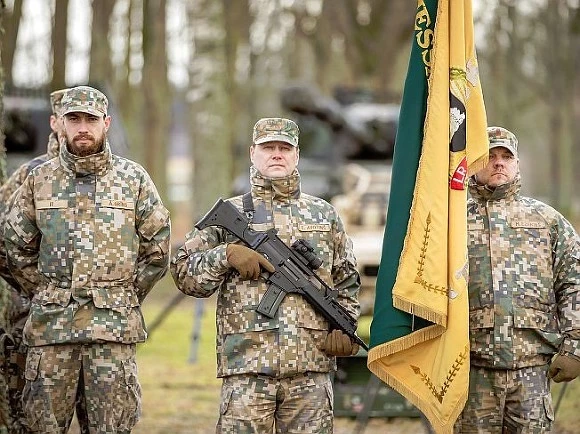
point(499, 136)
point(84, 99)
point(56, 100)
point(276, 129)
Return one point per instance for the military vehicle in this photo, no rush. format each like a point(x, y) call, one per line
point(346, 150)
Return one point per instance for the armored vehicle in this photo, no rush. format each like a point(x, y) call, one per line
point(346, 150)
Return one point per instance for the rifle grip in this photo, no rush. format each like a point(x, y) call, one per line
point(271, 301)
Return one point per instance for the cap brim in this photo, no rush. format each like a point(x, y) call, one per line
point(276, 138)
point(81, 109)
point(502, 145)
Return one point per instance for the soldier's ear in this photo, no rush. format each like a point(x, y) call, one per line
point(252, 153)
point(53, 122)
point(107, 122)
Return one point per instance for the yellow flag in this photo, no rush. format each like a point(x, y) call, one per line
point(429, 365)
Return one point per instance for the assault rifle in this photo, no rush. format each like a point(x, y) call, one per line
point(294, 269)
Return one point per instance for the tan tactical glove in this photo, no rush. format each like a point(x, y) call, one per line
point(247, 261)
point(564, 368)
point(339, 344)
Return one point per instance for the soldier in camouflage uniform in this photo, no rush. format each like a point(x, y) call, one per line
point(276, 372)
point(524, 299)
point(86, 239)
point(15, 349)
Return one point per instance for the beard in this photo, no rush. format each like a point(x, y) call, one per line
point(94, 144)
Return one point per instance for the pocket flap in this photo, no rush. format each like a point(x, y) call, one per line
point(246, 321)
point(52, 294)
point(528, 318)
point(114, 297)
point(32, 364)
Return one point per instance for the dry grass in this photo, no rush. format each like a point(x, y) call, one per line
point(182, 397)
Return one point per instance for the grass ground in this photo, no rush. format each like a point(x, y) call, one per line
point(180, 397)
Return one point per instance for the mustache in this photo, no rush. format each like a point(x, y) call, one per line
point(84, 136)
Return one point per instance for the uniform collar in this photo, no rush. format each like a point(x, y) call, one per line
point(95, 164)
point(53, 146)
point(481, 192)
point(280, 189)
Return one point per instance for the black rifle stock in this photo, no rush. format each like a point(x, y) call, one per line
point(292, 274)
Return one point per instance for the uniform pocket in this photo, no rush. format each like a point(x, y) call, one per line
point(330, 393)
point(52, 294)
point(32, 364)
point(33, 401)
point(226, 397)
point(114, 297)
point(130, 397)
point(548, 407)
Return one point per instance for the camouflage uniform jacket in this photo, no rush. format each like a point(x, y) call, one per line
point(11, 185)
point(87, 238)
point(524, 279)
point(289, 343)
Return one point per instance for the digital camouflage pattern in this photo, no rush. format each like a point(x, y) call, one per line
point(248, 404)
point(276, 129)
point(56, 101)
point(524, 280)
point(291, 342)
point(497, 397)
point(14, 348)
point(114, 395)
point(524, 303)
point(87, 282)
point(84, 99)
point(499, 136)
point(19, 175)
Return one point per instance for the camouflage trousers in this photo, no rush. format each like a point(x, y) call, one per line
point(13, 361)
point(105, 372)
point(261, 404)
point(507, 401)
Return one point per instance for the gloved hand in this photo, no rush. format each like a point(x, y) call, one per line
point(338, 343)
point(247, 261)
point(564, 368)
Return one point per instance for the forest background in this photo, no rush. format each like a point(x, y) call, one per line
point(188, 78)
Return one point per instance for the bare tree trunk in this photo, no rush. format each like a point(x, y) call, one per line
point(557, 94)
point(122, 85)
point(2, 76)
point(59, 44)
point(210, 115)
point(575, 112)
point(237, 44)
point(373, 41)
point(3, 173)
point(128, 89)
point(101, 68)
point(11, 26)
point(4, 291)
point(158, 100)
